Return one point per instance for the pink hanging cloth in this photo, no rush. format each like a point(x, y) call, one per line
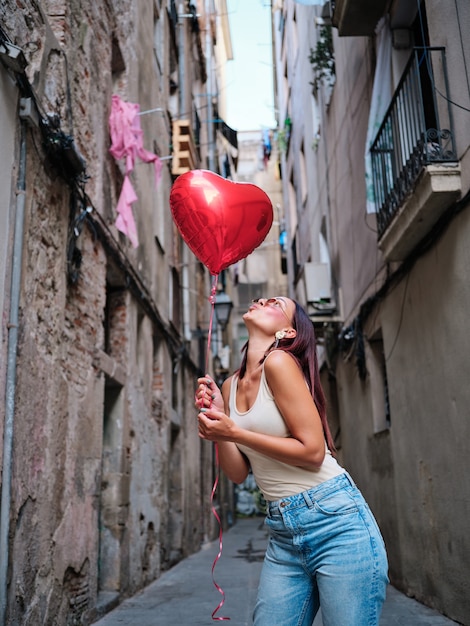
point(127, 140)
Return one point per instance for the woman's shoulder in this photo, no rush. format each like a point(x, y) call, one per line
point(280, 361)
point(282, 369)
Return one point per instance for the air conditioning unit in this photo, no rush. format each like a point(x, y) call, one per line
point(317, 278)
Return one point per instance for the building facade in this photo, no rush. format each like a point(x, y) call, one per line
point(105, 483)
point(374, 103)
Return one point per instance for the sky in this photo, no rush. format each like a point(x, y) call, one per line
point(250, 99)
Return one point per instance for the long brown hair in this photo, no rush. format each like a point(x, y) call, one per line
point(303, 347)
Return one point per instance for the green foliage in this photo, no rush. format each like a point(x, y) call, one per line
point(322, 57)
point(283, 135)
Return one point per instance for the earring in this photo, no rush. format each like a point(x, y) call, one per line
point(280, 334)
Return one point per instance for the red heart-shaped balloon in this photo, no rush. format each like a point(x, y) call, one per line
point(220, 220)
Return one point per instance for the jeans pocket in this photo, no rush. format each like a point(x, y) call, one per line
point(337, 503)
point(274, 522)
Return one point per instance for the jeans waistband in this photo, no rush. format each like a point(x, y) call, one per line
point(308, 497)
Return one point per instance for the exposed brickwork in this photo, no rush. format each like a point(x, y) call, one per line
point(117, 326)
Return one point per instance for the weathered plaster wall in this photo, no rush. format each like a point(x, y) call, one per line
point(58, 422)
point(448, 28)
point(411, 474)
point(354, 253)
point(106, 489)
point(58, 431)
point(414, 474)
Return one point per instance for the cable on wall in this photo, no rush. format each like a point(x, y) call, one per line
point(62, 153)
point(351, 338)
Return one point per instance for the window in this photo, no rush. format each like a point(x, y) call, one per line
point(175, 298)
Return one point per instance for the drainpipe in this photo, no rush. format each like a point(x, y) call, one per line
point(11, 375)
point(181, 65)
point(210, 112)
point(183, 113)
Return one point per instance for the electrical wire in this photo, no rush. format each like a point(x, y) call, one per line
point(401, 318)
point(350, 336)
point(68, 93)
point(428, 63)
point(101, 230)
point(374, 230)
point(55, 144)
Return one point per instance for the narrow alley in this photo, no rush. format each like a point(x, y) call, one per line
point(186, 594)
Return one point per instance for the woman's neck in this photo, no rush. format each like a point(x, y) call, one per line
point(257, 349)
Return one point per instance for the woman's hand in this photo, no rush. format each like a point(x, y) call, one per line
point(208, 395)
point(214, 425)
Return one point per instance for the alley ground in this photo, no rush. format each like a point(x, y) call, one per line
point(186, 594)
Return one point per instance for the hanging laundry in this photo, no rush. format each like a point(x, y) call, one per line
point(127, 141)
point(125, 220)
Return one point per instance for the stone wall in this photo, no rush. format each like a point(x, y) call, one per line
point(106, 477)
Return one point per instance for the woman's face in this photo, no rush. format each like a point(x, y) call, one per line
point(278, 312)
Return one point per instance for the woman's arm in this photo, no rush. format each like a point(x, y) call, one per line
point(234, 463)
point(306, 445)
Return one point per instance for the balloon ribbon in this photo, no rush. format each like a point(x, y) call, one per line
point(217, 517)
point(217, 467)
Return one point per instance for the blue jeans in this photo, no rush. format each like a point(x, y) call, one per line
point(325, 549)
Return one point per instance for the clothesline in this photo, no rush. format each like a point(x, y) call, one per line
point(151, 111)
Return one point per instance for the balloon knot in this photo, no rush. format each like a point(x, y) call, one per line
point(215, 282)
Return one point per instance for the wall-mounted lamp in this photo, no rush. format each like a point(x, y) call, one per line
point(222, 309)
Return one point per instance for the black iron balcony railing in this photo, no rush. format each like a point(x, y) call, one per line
point(417, 130)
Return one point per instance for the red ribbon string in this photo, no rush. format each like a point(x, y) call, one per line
point(217, 465)
point(209, 332)
point(217, 517)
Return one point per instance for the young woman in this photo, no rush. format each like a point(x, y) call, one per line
point(325, 548)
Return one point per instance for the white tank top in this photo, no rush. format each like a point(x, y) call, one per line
point(275, 479)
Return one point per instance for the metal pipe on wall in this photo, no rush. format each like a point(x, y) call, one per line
point(210, 108)
point(11, 374)
point(181, 112)
point(181, 63)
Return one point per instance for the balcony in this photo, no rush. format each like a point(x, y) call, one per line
point(357, 17)
point(414, 159)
